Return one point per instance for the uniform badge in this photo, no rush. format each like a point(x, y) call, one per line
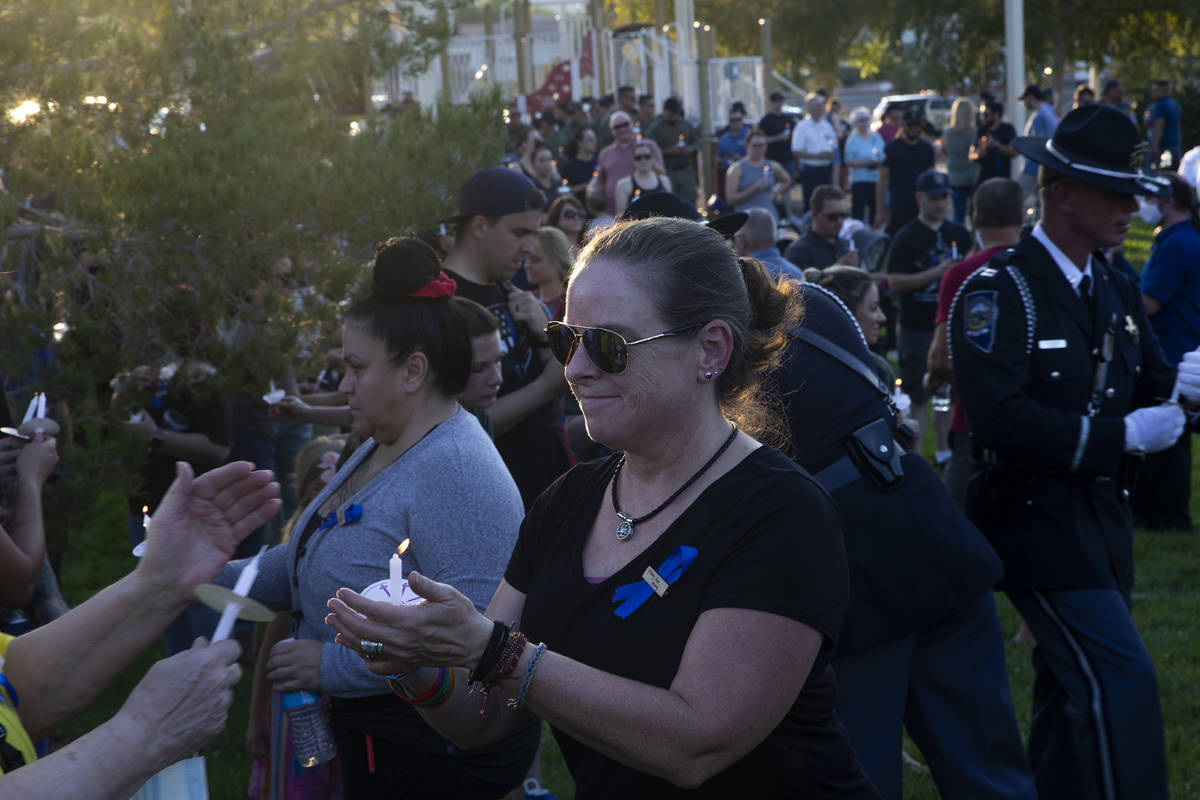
point(1131, 328)
point(979, 319)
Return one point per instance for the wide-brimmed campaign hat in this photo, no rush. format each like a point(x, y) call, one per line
point(669, 204)
point(1096, 144)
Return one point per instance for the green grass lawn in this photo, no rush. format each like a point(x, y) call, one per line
point(1166, 604)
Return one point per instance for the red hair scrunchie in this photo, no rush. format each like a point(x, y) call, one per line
point(441, 286)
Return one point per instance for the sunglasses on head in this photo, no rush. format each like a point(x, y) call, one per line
point(607, 349)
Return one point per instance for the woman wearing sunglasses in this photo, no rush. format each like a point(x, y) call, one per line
point(643, 180)
point(427, 472)
point(566, 213)
point(669, 610)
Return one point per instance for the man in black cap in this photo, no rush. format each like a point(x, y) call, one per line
point(1063, 383)
point(921, 253)
point(904, 158)
point(498, 214)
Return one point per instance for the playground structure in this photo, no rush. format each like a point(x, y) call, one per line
point(573, 56)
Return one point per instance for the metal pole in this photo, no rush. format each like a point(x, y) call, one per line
point(489, 45)
point(445, 58)
point(601, 68)
point(1014, 57)
point(768, 59)
point(704, 46)
point(519, 46)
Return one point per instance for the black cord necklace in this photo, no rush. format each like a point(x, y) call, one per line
point(625, 529)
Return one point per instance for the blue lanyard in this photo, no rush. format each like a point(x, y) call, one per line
point(9, 692)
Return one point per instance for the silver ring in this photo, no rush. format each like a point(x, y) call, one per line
point(371, 649)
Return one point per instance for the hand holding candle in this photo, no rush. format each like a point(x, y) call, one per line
point(36, 424)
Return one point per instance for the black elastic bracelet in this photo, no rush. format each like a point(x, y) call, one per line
point(491, 653)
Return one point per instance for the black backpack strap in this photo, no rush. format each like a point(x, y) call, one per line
point(845, 357)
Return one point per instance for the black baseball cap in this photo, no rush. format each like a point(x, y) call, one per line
point(496, 191)
point(913, 115)
point(669, 204)
point(933, 183)
point(1031, 90)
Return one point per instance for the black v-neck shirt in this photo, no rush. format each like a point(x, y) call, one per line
point(769, 539)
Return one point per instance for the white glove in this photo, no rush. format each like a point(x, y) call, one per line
point(1149, 430)
point(1187, 384)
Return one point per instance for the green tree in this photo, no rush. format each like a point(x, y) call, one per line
point(152, 144)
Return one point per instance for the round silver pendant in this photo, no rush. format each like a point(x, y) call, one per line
point(624, 530)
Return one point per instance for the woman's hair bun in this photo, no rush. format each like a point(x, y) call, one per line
point(401, 267)
point(771, 301)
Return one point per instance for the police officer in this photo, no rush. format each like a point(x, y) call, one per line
point(921, 646)
point(1063, 383)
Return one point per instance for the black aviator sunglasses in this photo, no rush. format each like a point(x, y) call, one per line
point(607, 349)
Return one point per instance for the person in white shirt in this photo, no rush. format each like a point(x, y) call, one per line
point(814, 145)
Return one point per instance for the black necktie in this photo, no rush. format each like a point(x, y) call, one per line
point(1085, 289)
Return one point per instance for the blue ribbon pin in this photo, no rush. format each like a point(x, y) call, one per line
point(342, 516)
point(632, 595)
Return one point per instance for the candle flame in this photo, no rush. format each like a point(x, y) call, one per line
point(898, 383)
point(145, 509)
point(400, 548)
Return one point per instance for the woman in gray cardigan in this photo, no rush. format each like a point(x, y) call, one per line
point(426, 472)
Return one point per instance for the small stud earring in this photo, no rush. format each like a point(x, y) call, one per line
point(708, 374)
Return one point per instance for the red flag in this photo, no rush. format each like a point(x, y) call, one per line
point(557, 86)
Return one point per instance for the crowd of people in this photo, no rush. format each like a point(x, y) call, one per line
point(659, 484)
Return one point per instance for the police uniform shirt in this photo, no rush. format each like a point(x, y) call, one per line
point(1046, 378)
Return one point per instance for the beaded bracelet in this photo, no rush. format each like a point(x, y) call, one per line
point(515, 703)
point(508, 660)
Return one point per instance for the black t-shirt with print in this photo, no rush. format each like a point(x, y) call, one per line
point(768, 538)
point(916, 248)
point(531, 449)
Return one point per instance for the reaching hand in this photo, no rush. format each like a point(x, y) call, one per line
point(36, 461)
point(445, 630)
point(182, 703)
point(200, 522)
point(294, 665)
point(1188, 381)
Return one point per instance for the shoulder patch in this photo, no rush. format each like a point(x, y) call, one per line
point(986, 272)
point(979, 313)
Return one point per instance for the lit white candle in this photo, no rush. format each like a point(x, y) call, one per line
point(41, 412)
point(242, 588)
point(145, 520)
point(396, 571)
point(954, 251)
point(31, 409)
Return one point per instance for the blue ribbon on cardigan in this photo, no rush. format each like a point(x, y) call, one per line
point(632, 595)
point(342, 516)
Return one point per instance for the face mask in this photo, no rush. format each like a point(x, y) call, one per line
point(1149, 211)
